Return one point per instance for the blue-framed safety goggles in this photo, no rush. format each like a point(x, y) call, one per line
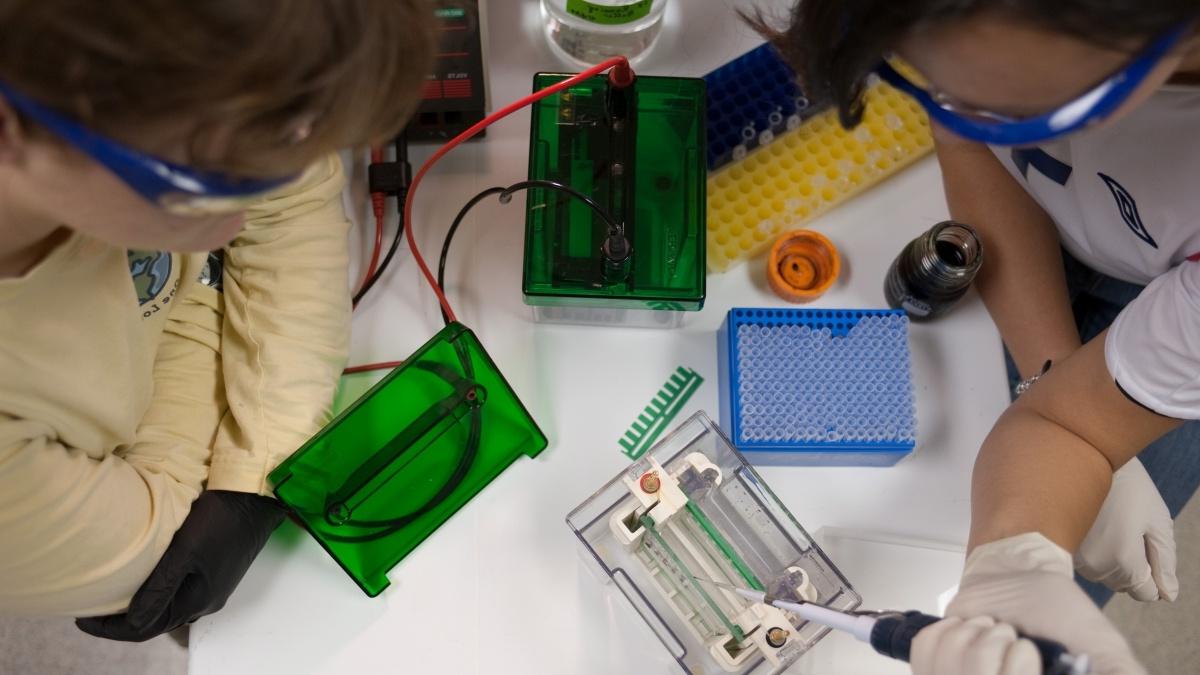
point(1092, 106)
point(177, 189)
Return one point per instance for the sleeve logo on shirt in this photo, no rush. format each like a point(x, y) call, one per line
point(1127, 206)
point(1050, 167)
point(151, 270)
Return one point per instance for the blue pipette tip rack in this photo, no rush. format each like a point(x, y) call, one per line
point(825, 387)
point(751, 100)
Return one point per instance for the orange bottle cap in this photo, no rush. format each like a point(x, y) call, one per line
point(803, 265)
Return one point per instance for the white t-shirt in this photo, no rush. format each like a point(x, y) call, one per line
point(1126, 199)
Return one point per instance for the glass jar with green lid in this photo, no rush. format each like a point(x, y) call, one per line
point(585, 32)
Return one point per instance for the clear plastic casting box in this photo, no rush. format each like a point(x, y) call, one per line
point(692, 507)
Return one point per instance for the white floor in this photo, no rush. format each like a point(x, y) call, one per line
point(55, 646)
point(1166, 636)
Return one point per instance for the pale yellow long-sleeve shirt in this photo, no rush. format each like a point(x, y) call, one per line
point(126, 387)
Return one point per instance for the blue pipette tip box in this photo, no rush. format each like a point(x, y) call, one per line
point(817, 387)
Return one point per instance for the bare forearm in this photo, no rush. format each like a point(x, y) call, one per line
point(1047, 464)
point(1022, 281)
point(1032, 475)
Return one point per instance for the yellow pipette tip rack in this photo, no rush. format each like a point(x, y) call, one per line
point(808, 170)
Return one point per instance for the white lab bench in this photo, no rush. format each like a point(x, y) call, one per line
point(500, 587)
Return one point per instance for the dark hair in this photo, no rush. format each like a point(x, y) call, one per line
point(835, 44)
point(245, 73)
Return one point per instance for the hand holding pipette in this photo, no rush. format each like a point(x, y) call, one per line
point(892, 633)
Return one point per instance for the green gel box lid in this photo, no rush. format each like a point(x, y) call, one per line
point(408, 454)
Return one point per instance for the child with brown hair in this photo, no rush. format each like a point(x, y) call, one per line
point(145, 393)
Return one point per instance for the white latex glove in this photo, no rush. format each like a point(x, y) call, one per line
point(1131, 546)
point(1024, 582)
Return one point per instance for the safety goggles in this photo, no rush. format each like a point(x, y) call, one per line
point(177, 189)
point(994, 128)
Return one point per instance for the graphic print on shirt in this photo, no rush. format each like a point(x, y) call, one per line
point(1050, 167)
point(151, 272)
point(1128, 209)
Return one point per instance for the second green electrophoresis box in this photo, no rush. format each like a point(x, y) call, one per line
point(408, 454)
point(639, 152)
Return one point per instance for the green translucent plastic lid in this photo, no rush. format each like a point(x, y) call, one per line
point(639, 152)
point(395, 465)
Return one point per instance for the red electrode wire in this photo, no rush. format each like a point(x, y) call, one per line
point(386, 365)
point(378, 204)
point(621, 76)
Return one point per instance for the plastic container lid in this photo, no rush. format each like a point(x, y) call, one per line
point(803, 265)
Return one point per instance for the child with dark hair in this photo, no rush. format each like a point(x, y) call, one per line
point(1067, 136)
point(147, 387)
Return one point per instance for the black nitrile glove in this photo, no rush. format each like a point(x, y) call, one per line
point(204, 563)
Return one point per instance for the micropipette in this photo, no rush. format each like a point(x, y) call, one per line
point(892, 633)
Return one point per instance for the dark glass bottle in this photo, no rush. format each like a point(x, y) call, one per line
point(934, 271)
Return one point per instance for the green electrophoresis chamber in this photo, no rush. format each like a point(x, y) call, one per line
point(408, 454)
point(639, 153)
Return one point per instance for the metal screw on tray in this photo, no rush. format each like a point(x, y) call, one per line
point(777, 637)
point(650, 483)
point(934, 271)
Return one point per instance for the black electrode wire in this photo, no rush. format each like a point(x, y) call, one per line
point(506, 194)
point(401, 146)
point(387, 259)
point(441, 273)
